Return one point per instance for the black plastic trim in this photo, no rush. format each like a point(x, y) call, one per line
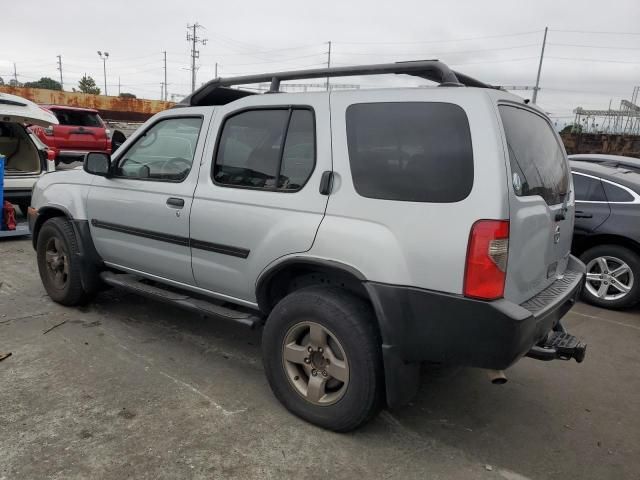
point(139, 232)
point(218, 248)
point(173, 239)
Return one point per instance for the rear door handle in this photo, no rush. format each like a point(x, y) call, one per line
point(175, 202)
point(583, 215)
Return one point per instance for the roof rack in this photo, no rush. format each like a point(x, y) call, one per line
point(217, 91)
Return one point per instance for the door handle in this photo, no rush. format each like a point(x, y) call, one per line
point(583, 215)
point(175, 202)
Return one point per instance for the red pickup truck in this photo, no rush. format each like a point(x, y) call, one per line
point(80, 130)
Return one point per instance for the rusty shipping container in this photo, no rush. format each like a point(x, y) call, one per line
point(110, 108)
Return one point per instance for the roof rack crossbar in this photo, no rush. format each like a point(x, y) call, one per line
point(433, 70)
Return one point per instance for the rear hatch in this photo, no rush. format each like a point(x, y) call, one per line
point(540, 203)
point(23, 156)
point(79, 130)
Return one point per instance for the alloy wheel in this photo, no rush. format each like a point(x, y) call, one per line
point(57, 261)
point(315, 363)
point(609, 278)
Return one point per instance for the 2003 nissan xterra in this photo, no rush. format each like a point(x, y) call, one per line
point(368, 230)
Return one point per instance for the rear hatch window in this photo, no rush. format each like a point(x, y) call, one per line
point(410, 151)
point(537, 161)
point(78, 118)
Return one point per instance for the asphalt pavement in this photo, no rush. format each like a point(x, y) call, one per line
point(129, 388)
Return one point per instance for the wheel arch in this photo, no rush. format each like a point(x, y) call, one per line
point(44, 214)
point(280, 279)
point(605, 239)
point(401, 378)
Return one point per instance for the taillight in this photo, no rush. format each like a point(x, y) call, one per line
point(48, 131)
point(108, 133)
point(51, 154)
point(487, 254)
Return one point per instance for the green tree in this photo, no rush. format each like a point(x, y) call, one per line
point(1, 81)
point(127, 95)
point(88, 85)
point(14, 83)
point(46, 83)
point(572, 128)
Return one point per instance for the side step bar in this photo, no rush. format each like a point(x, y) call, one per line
point(135, 284)
point(559, 345)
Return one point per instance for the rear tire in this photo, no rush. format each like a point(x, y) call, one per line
point(58, 263)
point(603, 261)
point(344, 393)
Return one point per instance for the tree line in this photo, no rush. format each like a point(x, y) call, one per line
point(85, 85)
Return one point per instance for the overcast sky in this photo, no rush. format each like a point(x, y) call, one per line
point(495, 41)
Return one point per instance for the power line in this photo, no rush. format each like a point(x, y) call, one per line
point(592, 46)
point(597, 33)
point(441, 41)
point(440, 53)
point(596, 60)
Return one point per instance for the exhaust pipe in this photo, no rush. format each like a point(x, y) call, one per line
point(497, 377)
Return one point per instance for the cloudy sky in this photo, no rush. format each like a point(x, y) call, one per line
point(592, 56)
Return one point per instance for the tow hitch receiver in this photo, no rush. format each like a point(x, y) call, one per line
point(559, 345)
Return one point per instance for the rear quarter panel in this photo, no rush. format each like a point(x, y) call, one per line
point(412, 243)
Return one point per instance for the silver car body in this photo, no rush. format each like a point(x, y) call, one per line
point(401, 243)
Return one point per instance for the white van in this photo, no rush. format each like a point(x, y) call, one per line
point(26, 157)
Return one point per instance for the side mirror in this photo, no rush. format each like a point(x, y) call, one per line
point(97, 163)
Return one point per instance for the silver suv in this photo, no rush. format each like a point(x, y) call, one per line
point(367, 230)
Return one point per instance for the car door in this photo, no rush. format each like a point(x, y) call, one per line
point(592, 208)
point(245, 214)
point(139, 216)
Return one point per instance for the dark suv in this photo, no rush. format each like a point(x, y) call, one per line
point(607, 228)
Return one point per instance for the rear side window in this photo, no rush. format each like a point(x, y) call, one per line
point(412, 151)
point(588, 189)
point(537, 162)
point(78, 118)
point(259, 146)
point(617, 194)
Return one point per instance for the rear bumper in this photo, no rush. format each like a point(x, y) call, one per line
point(421, 325)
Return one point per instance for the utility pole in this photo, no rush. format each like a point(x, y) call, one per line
point(215, 75)
point(104, 65)
point(118, 86)
point(15, 73)
point(192, 36)
point(164, 97)
point(328, 62)
point(60, 68)
point(537, 87)
point(162, 90)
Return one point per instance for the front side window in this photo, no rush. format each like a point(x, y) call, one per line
point(535, 155)
point(588, 189)
point(165, 152)
point(259, 146)
point(410, 151)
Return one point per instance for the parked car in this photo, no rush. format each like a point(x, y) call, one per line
point(605, 159)
point(368, 230)
point(79, 130)
point(607, 230)
point(26, 157)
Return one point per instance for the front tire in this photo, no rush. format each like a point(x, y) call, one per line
point(322, 356)
point(613, 276)
point(58, 263)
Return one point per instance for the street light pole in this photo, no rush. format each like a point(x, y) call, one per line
point(104, 65)
point(537, 87)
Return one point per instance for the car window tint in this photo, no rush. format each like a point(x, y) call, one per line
point(78, 118)
point(617, 194)
point(588, 189)
point(298, 157)
point(535, 155)
point(164, 152)
point(410, 151)
point(250, 150)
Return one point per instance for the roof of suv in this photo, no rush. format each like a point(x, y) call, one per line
point(67, 107)
point(629, 177)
